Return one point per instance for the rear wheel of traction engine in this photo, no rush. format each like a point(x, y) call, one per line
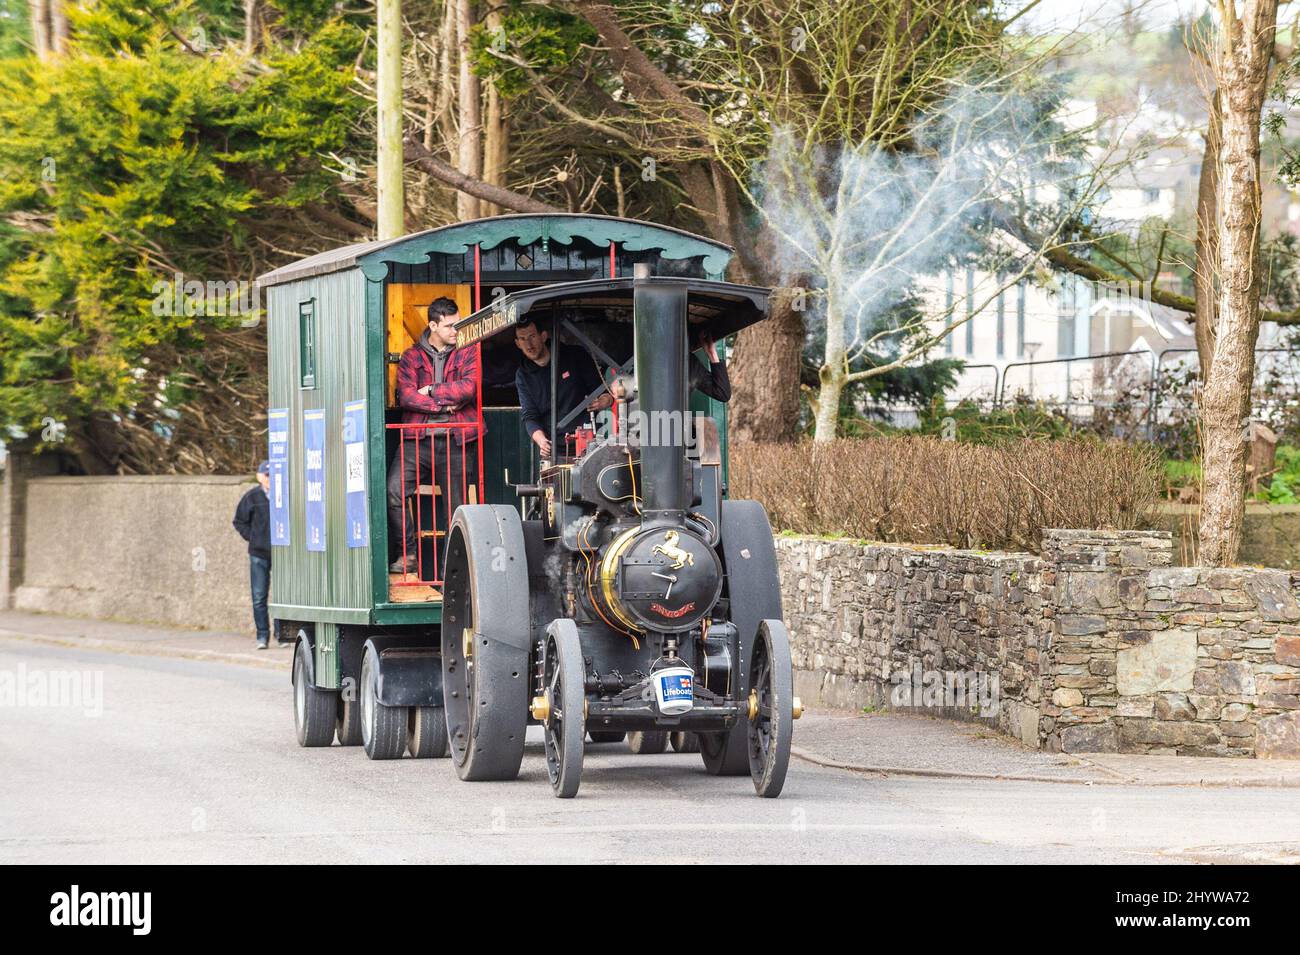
point(605, 736)
point(383, 728)
point(426, 736)
point(313, 709)
point(485, 642)
point(771, 708)
point(647, 743)
point(753, 587)
point(685, 742)
point(565, 723)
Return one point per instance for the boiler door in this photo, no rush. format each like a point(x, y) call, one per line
point(667, 579)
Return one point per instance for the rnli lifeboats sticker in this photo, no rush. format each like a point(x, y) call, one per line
point(313, 446)
point(676, 688)
point(277, 434)
point(354, 455)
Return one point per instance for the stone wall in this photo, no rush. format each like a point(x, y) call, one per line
point(1097, 645)
point(1270, 534)
point(864, 619)
point(148, 549)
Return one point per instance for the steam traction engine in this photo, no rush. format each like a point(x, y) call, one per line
point(630, 596)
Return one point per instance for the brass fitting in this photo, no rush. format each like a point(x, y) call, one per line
point(540, 708)
point(797, 708)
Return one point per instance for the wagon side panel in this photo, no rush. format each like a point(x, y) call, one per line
point(332, 584)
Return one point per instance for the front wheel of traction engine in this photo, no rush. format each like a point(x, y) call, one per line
point(771, 709)
point(485, 642)
point(564, 723)
point(753, 589)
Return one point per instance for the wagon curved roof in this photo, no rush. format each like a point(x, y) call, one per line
point(634, 235)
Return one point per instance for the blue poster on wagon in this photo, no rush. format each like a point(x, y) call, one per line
point(313, 469)
point(354, 456)
point(277, 434)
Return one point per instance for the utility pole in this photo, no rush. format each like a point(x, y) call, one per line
point(389, 139)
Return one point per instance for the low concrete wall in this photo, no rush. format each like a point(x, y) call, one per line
point(1099, 645)
point(148, 549)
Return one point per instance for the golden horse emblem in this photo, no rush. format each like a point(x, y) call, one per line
point(670, 550)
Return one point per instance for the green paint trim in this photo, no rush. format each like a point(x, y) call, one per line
point(300, 613)
point(406, 613)
point(327, 656)
point(376, 398)
point(634, 236)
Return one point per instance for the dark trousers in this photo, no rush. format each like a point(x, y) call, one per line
point(428, 465)
point(259, 578)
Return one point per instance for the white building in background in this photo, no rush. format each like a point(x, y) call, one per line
point(1046, 343)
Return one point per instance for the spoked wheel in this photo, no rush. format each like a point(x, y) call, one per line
point(605, 736)
point(685, 742)
point(383, 728)
point(771, 709)
point(647, 743)
point(563, 707)
point(426, 736)
point(313, 709)
point(485, 642)
point(753, 587)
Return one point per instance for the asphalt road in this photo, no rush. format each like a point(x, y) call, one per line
point(196, 762)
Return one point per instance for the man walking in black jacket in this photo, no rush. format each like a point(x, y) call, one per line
point(253, 521)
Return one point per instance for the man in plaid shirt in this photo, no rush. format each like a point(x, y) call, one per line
point(436, 382)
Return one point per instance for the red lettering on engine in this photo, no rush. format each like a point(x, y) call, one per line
point(673, 614)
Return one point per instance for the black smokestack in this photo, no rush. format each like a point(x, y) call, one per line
point(659, 309)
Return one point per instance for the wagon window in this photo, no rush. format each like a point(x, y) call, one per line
point(307, 342)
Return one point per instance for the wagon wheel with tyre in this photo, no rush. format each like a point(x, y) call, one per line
point(647, 743)
point(348, 722)
point(383, 728)
point(426, 736)
point(313, 709)
point(685, 742)
point(485, 642)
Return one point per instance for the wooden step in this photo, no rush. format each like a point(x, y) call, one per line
point(405, 589)
point(428, 490)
